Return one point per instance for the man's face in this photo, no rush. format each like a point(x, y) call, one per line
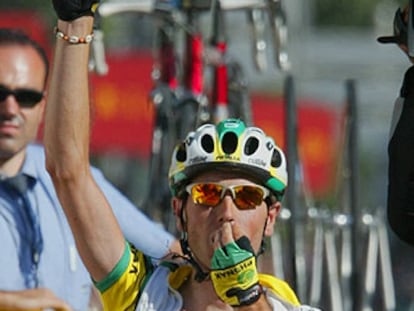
point(212, 227)
point(21, 67)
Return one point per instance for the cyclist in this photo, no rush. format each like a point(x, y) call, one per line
point(401, 144)
point(227, 181)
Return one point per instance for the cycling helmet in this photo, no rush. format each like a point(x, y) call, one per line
point(229, 144)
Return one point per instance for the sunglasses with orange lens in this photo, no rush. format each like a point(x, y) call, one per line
point(244, 196)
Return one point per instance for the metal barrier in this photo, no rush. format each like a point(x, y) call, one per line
point(332, 255)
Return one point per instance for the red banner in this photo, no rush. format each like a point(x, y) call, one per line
point(30, 22)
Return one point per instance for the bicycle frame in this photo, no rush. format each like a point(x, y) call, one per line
point(196, 53)
point(220, 109)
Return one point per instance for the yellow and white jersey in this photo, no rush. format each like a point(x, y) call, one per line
point(135, 284)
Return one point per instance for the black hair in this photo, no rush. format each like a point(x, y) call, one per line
point(13, 36)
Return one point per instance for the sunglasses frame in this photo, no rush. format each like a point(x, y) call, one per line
point(21, 95)
point(189, 188)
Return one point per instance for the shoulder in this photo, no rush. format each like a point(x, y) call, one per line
point(281, 295)
point(278, 287)
point(36, 151)
point(35, 161)
point(132, 264)
point(144, 283)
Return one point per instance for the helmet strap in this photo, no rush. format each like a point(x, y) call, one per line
point(263, 243)
point(200, 274)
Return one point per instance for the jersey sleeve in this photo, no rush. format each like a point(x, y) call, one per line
point(121, 288)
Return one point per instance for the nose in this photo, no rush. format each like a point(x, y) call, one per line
point(226, 208)
point(9, 105)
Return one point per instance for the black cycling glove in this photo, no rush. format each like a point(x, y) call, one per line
point(69, 10)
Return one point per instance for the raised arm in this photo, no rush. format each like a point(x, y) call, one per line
point(97, 234)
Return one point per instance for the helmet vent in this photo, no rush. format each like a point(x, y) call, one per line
point(229, 142)
point(207, 143)
point(251, 145)
point(276, 158)
point(181, 154)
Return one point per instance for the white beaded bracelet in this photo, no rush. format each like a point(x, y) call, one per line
point(73, 39)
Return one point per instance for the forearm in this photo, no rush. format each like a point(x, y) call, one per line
point(67, 114)
point(30, 300)
point(13, 300)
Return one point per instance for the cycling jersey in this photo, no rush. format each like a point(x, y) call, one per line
point(136, 284)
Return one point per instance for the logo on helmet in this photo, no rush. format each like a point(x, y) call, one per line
point(198, 159)
point(189, 140)
point(227, 157)
point(269, 145)
point(257, 162)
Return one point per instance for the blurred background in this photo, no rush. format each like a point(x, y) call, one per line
point(330, 44)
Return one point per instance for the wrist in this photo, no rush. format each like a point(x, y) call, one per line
point(78, 31)
point(260, 304)
point(77, 27)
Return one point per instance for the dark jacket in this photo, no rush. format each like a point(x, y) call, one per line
point(400, 205)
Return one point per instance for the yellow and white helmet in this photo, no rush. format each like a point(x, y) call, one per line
point(229, 144)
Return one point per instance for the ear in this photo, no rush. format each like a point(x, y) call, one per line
point(41, 108)
point(273, 212)
point(40, 114)
point(177, 205)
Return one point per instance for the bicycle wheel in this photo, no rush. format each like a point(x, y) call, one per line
point(187, 117)
point(181, 122)
point(157, 202)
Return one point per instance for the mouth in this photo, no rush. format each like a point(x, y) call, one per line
point(8, 128)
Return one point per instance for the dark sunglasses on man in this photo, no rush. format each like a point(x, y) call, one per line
point(26, 98)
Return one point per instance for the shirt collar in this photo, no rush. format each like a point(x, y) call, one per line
point(29, 167)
